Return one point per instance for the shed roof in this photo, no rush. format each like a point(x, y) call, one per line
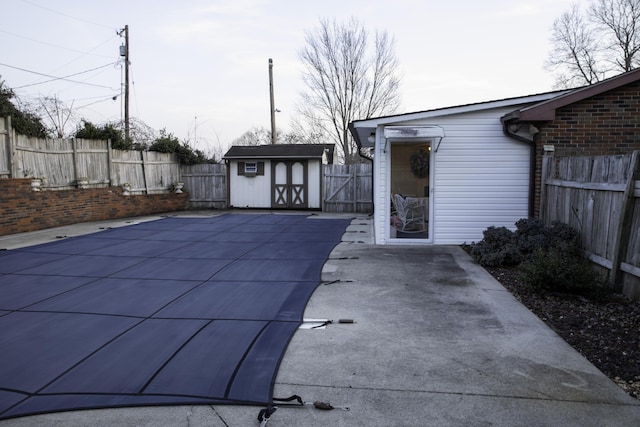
point(280, 151)
point(546, 111)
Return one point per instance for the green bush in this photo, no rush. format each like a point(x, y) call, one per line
point(530, 234)
point(497, 248)
point(24, 122)
point(563, 236)
point(547, 258)
point(106, 131)
point(558, 270)
point(168, 143)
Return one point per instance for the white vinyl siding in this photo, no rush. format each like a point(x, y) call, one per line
point(250, 192)
point(480, 177)
point(254, 191)
point(314, 187)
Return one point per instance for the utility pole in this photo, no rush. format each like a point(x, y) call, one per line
point(124, 51)
point(273, 107)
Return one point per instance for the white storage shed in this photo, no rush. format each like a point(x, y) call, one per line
point(458, 170)
point(280, 176)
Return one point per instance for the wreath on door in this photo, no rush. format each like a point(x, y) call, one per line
point(420, 163)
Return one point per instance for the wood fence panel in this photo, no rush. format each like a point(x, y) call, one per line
point(161, 171)
point(49, 158)
point(92, 161)
point(633, 252)
point(599, 197)
point(347, 188)
point(65, 162)
point(206, 184)
point(5, 147)
point(127, 169)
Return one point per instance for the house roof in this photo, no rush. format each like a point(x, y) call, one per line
point(280, 151)
point(361, 129)
point(546, 110)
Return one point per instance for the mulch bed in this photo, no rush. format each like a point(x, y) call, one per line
point(605, 329)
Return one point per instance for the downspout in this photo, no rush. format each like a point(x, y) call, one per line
point(532, 156)
point(228, 178)
point(362, 152)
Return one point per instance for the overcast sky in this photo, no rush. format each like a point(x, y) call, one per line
point(203, 64)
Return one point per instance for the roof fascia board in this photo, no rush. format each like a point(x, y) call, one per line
point(546, 110)
point(374, 122)
point(256, 156)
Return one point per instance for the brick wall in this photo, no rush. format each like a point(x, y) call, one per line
point(603, 125)
point(22, 209)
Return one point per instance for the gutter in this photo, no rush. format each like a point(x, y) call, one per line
point(506, 121)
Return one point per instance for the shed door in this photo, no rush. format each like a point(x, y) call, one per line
point(289, 184)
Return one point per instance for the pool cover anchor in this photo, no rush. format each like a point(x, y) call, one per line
point(265, 414)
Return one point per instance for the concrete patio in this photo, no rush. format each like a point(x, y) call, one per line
point(435, 341)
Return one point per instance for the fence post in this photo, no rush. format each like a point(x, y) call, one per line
point(624, 225)
point(13, 159)
point(323, 187)
point(109, 163)
point(543, 187)
point(7, 145)
point(74, 147)
point(144, 171)
point(355, 187)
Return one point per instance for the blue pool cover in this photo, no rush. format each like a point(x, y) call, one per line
point(174, 311)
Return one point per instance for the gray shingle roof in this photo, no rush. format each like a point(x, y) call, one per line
point(279, 151)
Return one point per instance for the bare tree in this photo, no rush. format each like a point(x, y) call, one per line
point(57, 115)
point(254, 136)
point(591, 45)
point(259, 135)
point(574, 49)
point(346, 80)
point(619, 23)
point(140, 133)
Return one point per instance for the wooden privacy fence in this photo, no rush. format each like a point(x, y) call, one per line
point(348, 188)
point(66, 163)
point(5, 147)
point(206, 184)
point(599, 197)
point(71, 162)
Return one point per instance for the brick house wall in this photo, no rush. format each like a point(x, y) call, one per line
point(606, 124)
point(22, 209)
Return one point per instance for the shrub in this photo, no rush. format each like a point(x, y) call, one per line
point(530, 234)
point(168, 143)
point(563, 236)
point(106, 131)
point(548, 258)
point(25, 122)
point(559, 270)
point(496, 248)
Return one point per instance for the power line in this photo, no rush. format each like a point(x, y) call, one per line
point(66, 15)
point(53, 78)
point(88, 53)
point(135, 96)
point(55, 45)
point(111, 98)
point(66, 77)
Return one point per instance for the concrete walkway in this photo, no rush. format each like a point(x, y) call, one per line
point(436, 341)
